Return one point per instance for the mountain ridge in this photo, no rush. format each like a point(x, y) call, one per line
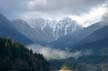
point(7, 30)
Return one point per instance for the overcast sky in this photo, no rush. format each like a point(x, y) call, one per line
point(15, 8)
point(12, 7)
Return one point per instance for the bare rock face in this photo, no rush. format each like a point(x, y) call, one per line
point(45, 29)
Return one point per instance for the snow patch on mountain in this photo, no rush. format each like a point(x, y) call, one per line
point(54, 28)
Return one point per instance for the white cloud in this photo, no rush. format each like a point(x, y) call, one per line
point(32, 4)
point(51, 53)
point(86, 19)
point(13, 8)
point(92, 16)
point(41, 9)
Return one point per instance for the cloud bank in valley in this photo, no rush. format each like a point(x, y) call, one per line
point(51, 53)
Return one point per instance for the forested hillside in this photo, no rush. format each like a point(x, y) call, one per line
point(16, 57)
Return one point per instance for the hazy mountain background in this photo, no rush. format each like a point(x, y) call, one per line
point(71, 35)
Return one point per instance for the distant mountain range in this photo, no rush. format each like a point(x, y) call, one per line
point(65, 34)
point(48, 32)
point(8, 30)
point(39, 31)
point(73, 39)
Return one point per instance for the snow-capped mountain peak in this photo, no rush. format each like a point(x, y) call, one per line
point(59, 28)
point(51, 30)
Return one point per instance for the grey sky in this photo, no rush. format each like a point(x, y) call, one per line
point(12, 8)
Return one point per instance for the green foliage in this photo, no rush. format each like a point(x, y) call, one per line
point(16, 57)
